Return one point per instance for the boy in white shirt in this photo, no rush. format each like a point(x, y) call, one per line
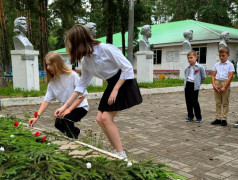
point(221, 77)
point(195, 75)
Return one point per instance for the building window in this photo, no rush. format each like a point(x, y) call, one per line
point(76, 64)
point(202, 54)
point(157, 56)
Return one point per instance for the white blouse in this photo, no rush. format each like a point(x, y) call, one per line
point(104, 63)
point(63, 87)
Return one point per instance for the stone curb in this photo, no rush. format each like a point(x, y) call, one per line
point(37, 100)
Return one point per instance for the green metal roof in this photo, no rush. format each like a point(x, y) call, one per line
point(172, 32)
point(63, 50)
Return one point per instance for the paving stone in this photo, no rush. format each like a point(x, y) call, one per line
point(185, 174)
point(216, 176)
point(233, 177)
point(79, 153)
point(138, 152)
point(64, 147)
point(133, 150)
point(74, 146)
point(227, 173)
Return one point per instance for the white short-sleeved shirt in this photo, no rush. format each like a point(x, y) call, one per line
point(104, 63)
point(63, 87)
point(223, 70)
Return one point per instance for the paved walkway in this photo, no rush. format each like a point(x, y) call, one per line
point(157, 129)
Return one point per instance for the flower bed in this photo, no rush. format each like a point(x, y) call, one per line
point(27, 155)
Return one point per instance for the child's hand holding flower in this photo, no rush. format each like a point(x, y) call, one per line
point(32, 121)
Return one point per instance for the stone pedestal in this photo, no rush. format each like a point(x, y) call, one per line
point(183, 64)
point(68, 63)
point(25, 69)
point(96, 82)
point(145, 66)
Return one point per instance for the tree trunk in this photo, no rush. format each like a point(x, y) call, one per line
point(41, 34)
point(130, 31)
point(29, 25)
point(109, 33)
point(123, 29)
point(109, 21)
point(5, 41)
point(45, 28)
point(2, 79)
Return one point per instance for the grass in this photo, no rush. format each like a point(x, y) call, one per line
point(10, 92)
point(23, 156)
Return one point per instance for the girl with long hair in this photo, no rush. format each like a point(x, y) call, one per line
point(61, 83)
point(104, 61)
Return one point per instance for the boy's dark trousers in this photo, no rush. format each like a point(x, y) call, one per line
point(192, 103)
point(65, 125)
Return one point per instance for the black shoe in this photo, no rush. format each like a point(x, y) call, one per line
point(216, 122)
point(223, 123)
point(74, 134)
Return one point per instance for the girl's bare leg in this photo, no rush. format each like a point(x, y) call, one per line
point(109, 127)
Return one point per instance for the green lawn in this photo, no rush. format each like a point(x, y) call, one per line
point(10, 92)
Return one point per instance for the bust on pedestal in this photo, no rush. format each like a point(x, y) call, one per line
point(145, 57)
point(20, 41)
point(144, 44)
point(92, 28)
point(24, 59)
point(188, 35)
point(224, 38)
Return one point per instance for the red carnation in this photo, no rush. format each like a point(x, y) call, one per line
point(37, 134)
point(44, 138)
point(16, 123)
point(35, 114)
point(196, 71)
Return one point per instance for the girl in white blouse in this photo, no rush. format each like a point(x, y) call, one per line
point(62, 82)
point(104, 61)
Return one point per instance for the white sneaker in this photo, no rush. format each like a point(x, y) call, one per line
point(113, 151)
point(120, 154)
point(236, 125)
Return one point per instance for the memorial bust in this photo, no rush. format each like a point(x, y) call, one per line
point(188, 35)
point(224, 38)
point(144, 44)
point(20, 41)
point(92, 28)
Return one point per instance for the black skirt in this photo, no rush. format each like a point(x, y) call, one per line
point(128, 95)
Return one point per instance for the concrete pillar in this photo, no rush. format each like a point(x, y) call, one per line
point(183, 64)
point(25, 69)
point(145, 66)
point(96, 82)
